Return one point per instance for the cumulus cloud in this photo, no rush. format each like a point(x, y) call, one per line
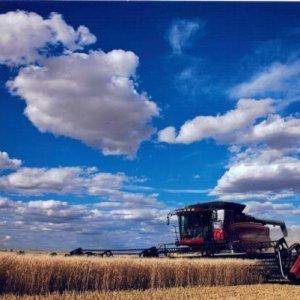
point(167, 135)
point(223, 128)
point(61, 180)
point(52, 224)
point(269, 209)
point(238, 128)
point(26, 37)
point(89, 97)
point(49, 211)
point(275, 132)
point(263, 174)
point(181, 32)
point(8, 163)
point(92, 97)
point(282, 79)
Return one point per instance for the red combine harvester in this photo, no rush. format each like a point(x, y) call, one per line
point(213, 227)
point(222, 229)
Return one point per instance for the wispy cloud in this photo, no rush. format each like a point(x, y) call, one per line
point(278, 80)
point(186, 191)
point(181, 33)
point(138, 188)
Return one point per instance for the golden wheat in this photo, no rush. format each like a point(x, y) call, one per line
point(245, 292)
point(40, 274)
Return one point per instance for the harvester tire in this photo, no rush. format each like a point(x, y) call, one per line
point(293, 279)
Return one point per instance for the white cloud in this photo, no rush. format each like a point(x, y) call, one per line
point(282, 79)
point(6, 203)
point(89, 97)
point(8, 163)
point(167, 135)
point(51, 211)
point(52, 224)
point(253, 196)
point(275, 132)
point(186, 191)
point(222, 128)
point(181, 32)
point(238, 128)
point(25, 37)
point(61, 180)
point(294, 233)
point(268, 209)
point(260, 174)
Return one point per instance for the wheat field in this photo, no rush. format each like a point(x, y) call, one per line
point(41, 274)
point(245, 292)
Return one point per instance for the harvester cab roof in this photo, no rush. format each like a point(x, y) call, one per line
point(214, 205)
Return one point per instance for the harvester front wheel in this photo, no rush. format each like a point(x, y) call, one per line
point(292, 278)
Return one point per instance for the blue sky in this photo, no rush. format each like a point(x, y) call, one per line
point(112, 114)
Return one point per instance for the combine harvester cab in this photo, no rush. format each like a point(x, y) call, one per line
point(220, 226)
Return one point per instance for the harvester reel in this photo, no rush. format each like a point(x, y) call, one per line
point(107, 253)
point(150, 252)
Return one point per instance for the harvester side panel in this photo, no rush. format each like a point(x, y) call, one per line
point(294, 274)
